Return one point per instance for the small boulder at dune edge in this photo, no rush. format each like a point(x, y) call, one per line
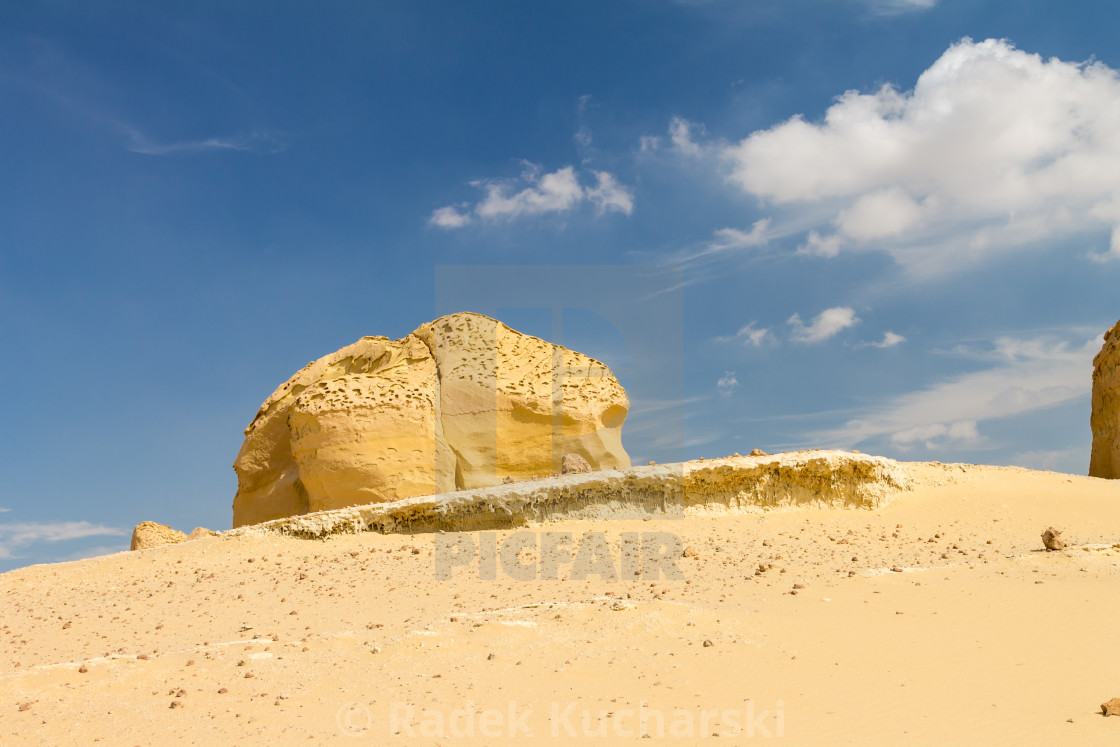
point(574, 464)
point(1052, 539)
point(758, 452)
point(507, 480)
point(150, 534)
point(201, 532)
point(1111, 708)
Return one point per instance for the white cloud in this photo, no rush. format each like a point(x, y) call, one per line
point(993, 150)
point(735, 238)
point(938, 434)
point(827, 324)
point(748, 335)
point(2, 509)
point(449, 217)
point(878, 215)
point(727, 383)
point(890, 339)
point(1028, 374)
point(608, 195)
point(649, 143)
point(14, 537)
point(555, 192)
point(680, 132)
point(821, 246)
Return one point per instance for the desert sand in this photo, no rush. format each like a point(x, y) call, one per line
point(934, 618)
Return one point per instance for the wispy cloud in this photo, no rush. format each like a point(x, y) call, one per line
point(536, 193)
point(15, 537)
point(1027, 374)
point(824, 326)
point(82, 92)
point(897, 7)
point(748, 334)
point(253, 142)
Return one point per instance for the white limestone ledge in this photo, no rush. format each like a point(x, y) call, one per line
point(731, 485)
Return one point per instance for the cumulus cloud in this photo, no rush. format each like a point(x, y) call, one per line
point(727, 383)
point(993, 150)
point(1026, 374)
point(824, 326)
point(748, 335)
point(14, 537)
point(555, 192)
point(449, 217)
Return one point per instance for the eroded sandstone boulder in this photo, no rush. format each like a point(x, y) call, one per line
point(462, 402)
point(150, 534)
point(1105, 419)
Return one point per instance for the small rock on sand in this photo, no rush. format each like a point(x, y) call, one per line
point(1111, 708)
point(1052, 539)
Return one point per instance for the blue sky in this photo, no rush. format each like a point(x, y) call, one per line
point(879, 224)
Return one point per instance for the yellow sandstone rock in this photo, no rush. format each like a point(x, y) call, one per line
point(150, 534)
point(1105, 419)
point(462, 402)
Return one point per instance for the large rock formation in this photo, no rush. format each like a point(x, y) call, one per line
point(462, 402)
point(1105, 420)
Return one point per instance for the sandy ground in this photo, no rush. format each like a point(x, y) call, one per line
point(976, 637)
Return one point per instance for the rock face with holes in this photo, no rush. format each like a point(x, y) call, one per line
point(1105, 419)
point(462, 402)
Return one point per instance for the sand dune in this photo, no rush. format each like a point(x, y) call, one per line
point(933, 618)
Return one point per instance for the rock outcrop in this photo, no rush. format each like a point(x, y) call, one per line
point(715, 487)
point(150, 534)
point(462, 402)
point(1105, 419)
